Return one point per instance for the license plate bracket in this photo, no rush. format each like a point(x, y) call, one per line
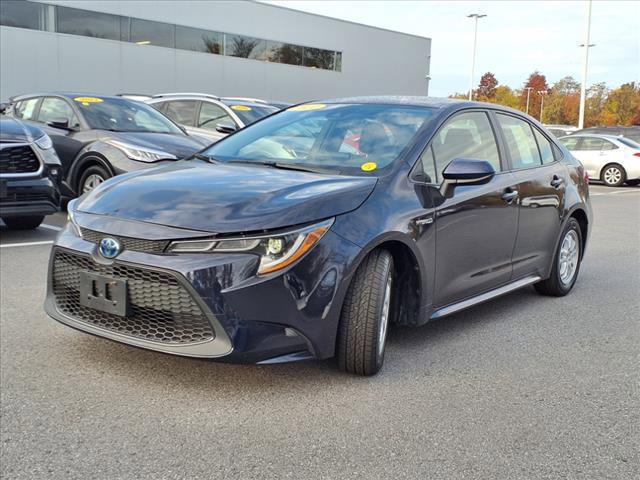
point(104, 294)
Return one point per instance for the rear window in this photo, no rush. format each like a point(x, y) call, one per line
point(629, 143)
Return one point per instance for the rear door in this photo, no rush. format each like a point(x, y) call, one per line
point(475, 226)
point(541, 183)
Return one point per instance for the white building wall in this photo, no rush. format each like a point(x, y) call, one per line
point(374, 61)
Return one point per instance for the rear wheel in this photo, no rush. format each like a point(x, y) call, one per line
point(364, 321)
point(91, 178)
point(566, 263)
point(23, 223)
point(613, 175)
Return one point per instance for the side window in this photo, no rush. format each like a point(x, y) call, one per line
point(428, 162)
point(182, 111)
point(590, 143)
point(467, 135)
point(26, 109)
point(211, 115)
point(571, 143)
point(546, 148)
point(607, 145)
point(56, 109)
point(520, 141)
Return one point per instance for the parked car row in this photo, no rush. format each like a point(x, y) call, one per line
point(632, 132)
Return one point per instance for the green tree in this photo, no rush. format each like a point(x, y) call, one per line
point(621, 105)
point(594, 105)
point(507, 97)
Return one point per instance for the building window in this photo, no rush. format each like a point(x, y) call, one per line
point(318, 58)
point(245, 47)
point(21, 14)
point(87, 23)
point(278, 52)
point(146, 32)
point(198, 40)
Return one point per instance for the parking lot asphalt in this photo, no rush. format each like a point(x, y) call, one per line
point(523, 387)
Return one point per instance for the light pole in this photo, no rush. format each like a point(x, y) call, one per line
point(542, 93)
point(528, 89)
point(475, 16)
point(583, 88)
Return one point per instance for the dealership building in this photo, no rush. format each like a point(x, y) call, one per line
point(228, 48)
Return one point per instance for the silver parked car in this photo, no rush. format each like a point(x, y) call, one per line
point(614, 160)
point(209, 116)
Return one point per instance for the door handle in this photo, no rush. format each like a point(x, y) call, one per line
point(557, 181)
point(510, 195)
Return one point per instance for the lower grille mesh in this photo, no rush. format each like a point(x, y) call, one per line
point(161, 309)
point(18, 159)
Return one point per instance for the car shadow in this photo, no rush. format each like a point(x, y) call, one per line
point(152, 369)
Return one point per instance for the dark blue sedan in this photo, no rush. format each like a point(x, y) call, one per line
point(308, 233)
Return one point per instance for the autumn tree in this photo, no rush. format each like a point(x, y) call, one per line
point(594, 104)
point(538, 83)
point(562, 102)
point(487, 87)
point(507, 97)
point(621, 105)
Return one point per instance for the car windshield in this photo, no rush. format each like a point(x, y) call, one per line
point(629, 143)
point(120, 114)
point(359, 139)
point(250, 113)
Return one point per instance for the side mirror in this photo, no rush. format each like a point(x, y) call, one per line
point(4, 107)
point(466, 171)
point(225, 128)
point(62, 123)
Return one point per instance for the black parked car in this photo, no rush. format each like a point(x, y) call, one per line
point(307, 233)
point(29, 175)
point(98, 137)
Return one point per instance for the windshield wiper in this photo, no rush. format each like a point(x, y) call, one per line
point(284, 166)
point(206, 158)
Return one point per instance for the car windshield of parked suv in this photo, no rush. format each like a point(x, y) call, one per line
point(250, 113)
point(340, 138)
point(122, 115)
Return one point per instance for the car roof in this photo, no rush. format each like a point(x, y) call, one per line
point(596, 135)
point(65, 94)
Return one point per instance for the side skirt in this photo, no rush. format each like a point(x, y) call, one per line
point(483, 297)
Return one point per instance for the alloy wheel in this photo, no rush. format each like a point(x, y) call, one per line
point(612, 175)
point(91, 182)
point(569, 256)
point(384, 317)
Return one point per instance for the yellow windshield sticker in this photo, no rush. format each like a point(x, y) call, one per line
point(87, 100)
point(368, 167)
point(242, 108)
point(306, 107)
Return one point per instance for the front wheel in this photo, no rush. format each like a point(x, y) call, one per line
point(566, 263)
point(91, 178)
point(23, 223)
point(613, 175)
point(364, 321)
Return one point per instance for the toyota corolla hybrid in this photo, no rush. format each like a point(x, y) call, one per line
point(306, 234)
point(98, 137)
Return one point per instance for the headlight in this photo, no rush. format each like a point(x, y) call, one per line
point(44, 142)
point(142, 154)
point(71, 217)
point(276, 251)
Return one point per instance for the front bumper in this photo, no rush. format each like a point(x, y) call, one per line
point(291, 314)
point(29, 196)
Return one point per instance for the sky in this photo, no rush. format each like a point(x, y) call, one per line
point(515, 39)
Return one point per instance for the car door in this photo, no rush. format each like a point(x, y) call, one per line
point(475, 225)
point(541, 183)
point(64, 141)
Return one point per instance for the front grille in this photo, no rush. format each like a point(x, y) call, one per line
point(128, 243)
point(18, 159)
point(19, 197)
point(161, 309)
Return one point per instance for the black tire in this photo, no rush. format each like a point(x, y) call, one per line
point(633, 183)
point(554, 286)
point(95, 170)
point(23, 223)
point(609, 172)
point(361, 318)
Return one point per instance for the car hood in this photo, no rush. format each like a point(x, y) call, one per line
point(222, 198)
point(13, 130)
point(179, 145)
